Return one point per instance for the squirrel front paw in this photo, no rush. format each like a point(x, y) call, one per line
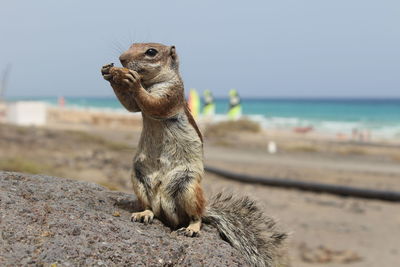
point(121, 76)
point(132, 80)
point(105, 71)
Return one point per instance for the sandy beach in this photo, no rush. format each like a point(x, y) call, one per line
point(326, 230)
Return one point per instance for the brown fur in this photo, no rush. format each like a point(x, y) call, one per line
point(200, 201)
point(193, 122)
point(160, 108)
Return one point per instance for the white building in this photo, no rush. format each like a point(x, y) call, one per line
point(26, 113)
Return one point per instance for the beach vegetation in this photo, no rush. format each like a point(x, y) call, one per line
point(353, 151)
point(308, 148)
point(224, 128)
point(86, 137)
point(396, 157)
point(110, 186)
point(19, 164)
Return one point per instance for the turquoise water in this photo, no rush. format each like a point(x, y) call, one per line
point(323, 109)
point(382, 116)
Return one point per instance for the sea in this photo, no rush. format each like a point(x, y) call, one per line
point(380, 117)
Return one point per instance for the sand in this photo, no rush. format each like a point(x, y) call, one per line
point(326, 230)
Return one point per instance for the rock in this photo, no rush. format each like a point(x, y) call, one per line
point(47, 220)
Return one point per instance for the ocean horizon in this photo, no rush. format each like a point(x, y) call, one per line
point(380, 116)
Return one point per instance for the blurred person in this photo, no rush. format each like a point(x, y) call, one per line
point(209, 104)
point(194, 103)
point(235, 107)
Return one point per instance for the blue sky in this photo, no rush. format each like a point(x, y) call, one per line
point(287, 48)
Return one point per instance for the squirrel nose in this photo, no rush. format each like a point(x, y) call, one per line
point(124, 58)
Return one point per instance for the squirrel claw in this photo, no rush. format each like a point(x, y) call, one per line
point(145, 217)
point(187, 232)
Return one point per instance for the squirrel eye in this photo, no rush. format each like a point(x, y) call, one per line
point(151, 52)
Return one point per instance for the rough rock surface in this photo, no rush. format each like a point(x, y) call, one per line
point(46, 220)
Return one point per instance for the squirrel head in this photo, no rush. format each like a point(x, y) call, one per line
point(154, 62)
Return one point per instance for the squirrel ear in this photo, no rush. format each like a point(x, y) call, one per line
point(172, 52)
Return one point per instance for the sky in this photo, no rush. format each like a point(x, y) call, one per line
point(287, 48)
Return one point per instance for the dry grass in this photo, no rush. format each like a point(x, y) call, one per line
point(396, 157)
point(309, 148)
point(110, 186)
point(353, 151)
point(98, 140)
point(225, 142)
point(222, 129)
point(22, 130)
point(19, 164)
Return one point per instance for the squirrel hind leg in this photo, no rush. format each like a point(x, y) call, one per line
point(187, 193)
point(193, 229)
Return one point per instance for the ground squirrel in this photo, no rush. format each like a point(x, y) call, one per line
point(168, 166)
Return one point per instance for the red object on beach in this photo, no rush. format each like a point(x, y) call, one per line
point(303, 129)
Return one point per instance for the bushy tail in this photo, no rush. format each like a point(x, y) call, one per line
point(243, 225)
